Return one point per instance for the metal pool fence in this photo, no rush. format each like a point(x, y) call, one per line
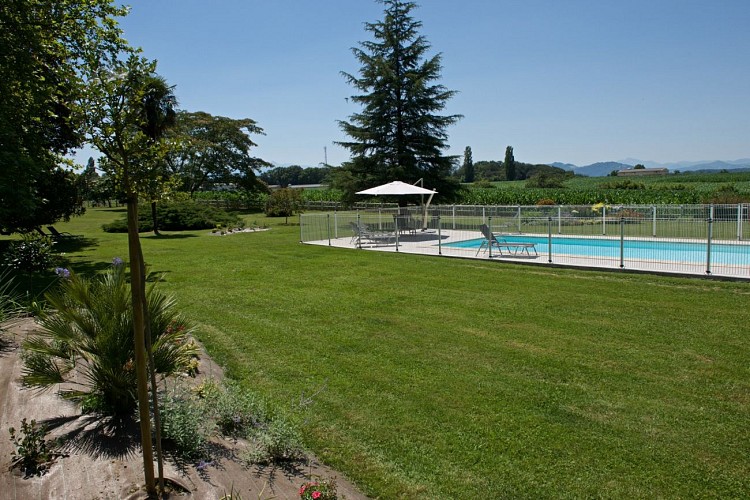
point(685, 239)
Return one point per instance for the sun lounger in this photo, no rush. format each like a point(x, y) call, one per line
point(510, 248)
point(363, 232)
point(58, 234)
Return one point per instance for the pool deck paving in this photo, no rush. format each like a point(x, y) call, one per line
point(433, 243)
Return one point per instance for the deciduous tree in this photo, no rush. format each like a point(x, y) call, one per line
point(122, 125)
point(213, 149)
point(46, 48)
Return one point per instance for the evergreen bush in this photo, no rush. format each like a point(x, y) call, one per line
point(32, 253)
point(180, 216)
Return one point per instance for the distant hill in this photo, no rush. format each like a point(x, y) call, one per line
point(602, 169)
point(692, 166)
point(564, 166)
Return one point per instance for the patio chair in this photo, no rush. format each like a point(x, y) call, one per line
point(364, 232)
point(511, 248)
point(40, 231)
point(57, 234)
point(404, 223)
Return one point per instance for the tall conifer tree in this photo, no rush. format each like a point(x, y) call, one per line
point(510, 164)
point(398, 135)
point(468, 166)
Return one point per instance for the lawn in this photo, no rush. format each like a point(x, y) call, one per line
point(429, 377)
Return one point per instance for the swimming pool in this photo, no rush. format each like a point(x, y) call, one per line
point(688, 252)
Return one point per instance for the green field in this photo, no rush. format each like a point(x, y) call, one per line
point(448, 378)
point(673, 189)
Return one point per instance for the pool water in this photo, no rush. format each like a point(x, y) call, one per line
point(721, 253)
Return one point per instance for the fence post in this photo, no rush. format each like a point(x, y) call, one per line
point(359, 232)
point(484, 216)
point(328, 228)
point(653, 229)
point(710, 237)
point(335, 224)
point(549, 240)
point(454, 216)
point(604, 219)
point(739, 222)
point(395, 226)
point(559, 219)
point(519, 219)
point(622, 242)
point(489, 242)
point(301, 238)
point(440, 239)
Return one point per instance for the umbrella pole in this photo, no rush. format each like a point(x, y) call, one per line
point(424, 216)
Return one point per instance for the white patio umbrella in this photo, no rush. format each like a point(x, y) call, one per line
point(398, 188)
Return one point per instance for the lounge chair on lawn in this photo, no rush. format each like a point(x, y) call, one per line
point(363, 232)
point(58, 234)
point(511, 248)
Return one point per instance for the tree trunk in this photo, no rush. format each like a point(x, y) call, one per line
point(137, 288)
point(154, 218)
point(152, 376)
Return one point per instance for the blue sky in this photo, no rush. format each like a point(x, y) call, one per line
point(575, 81)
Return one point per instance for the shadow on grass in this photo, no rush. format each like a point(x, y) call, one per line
point(173, 236)
point(90, 267)
point(156, 276)
point(76, 244)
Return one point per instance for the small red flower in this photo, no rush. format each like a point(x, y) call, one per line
point(316, 495)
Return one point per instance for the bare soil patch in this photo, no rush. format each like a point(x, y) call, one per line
point(99, 463)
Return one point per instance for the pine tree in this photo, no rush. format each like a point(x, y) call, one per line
point(468, 166)
point(398, 135)
point(510, 164)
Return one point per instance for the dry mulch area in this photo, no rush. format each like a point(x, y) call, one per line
point(98, 464)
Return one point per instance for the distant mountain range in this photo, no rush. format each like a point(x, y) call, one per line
point(602, 169)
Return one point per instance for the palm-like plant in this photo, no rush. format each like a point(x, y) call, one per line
point(86, 343)
point(10, 308)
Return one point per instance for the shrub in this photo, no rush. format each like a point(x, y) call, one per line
point(31, 254)
point(239, 413)
point(180, 216)
point(318, 489)
point(33, 454)
point(273, 442)
point(89, 336)
point(236, 411)
point(183, 422)
point(545, 202)
point(284, 203)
